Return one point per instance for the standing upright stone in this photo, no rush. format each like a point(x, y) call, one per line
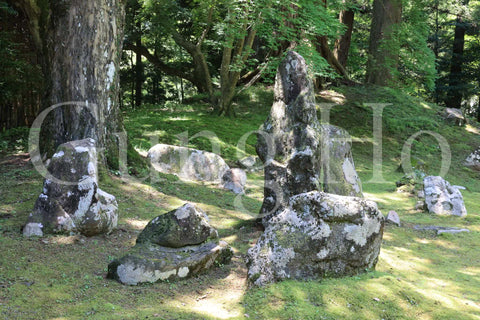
point(73, 202)
point(300, 155)
point(309, 233)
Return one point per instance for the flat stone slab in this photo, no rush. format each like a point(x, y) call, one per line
point(440, 230)
point(151, 263)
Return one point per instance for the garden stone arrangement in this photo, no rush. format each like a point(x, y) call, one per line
point(309, 233)
point(73, 203)
point(299, 153)
point(175, 245)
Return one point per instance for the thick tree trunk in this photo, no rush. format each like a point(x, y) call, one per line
point(455, 96)
point(342, 44)
point(381, 60)
point(83, 46)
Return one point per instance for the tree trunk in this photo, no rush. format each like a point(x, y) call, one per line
point(342, 44)
point(83, 46)
point(454, 98)
point(139, 77)
point(382, 60)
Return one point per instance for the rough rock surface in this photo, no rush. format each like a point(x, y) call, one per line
point(182, 227)
point(187, 163)
point(442, 198)
point(235, 180)
point(317, 235)
point(299, 154)
point(439, 230)
point(454, 116)
point(178, 244)
point(250, 163)
point(392, 217)
point(73, 202)
point(473, 160)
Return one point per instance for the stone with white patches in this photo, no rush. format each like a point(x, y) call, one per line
point(442, 198)
point(187, 163)
point(299, 153)
point(75, 204)
point(153, 258)
point(317, 235)
point(33, 229)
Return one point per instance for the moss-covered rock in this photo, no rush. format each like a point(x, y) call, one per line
point(71, 200)
point(318, 235)
point(178, 244)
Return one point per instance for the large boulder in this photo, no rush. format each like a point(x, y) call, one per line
point(299, 153)
point(178, 244)
point(187, 163)
point(473, 160)
point(316, 236)
point(442, 198)
point(72, 200)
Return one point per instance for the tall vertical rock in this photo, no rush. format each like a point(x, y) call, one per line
point(299, 153)
point(309, 233)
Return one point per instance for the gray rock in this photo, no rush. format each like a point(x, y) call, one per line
point(439, 230)
point(250, 163)
point(187, 163)
point(187, 225)
point(235, 180)
point(73, 202)
point(442, 198)
point(473, 160)
point(316, 236)
point(421, 194)
point(454, 116)
point(299, 154)
point(392, 217)
point(420, 205)
point(178, 244)
point(149, 263)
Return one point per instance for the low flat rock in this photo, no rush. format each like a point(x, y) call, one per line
point(440, 230)
point(317, 235)
point(148, 263)
point(175, 245)
point(187, 163)
point(454, 116)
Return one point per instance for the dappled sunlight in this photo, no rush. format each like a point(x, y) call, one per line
point(389, 197)
point(137, 224)
point(401, 259)
point(179, 118)
point(425, 106)
point(333, 96)
point(472, 129)
point(471, 271)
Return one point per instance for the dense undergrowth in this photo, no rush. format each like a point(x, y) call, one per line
point(419, 275)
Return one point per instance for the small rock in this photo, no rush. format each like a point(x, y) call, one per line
point(421, 194)
point(251, 163)
point(393, 218)
point(442, 198)
point(439, 230)
point(451, 230)
point(473, 160)
point(460, 187)
point(454, 116)
point(420, 205)
point(234, 180)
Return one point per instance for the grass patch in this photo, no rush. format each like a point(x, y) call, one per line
point(419, 275)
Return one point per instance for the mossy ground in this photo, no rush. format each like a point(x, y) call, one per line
point(419, 275)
